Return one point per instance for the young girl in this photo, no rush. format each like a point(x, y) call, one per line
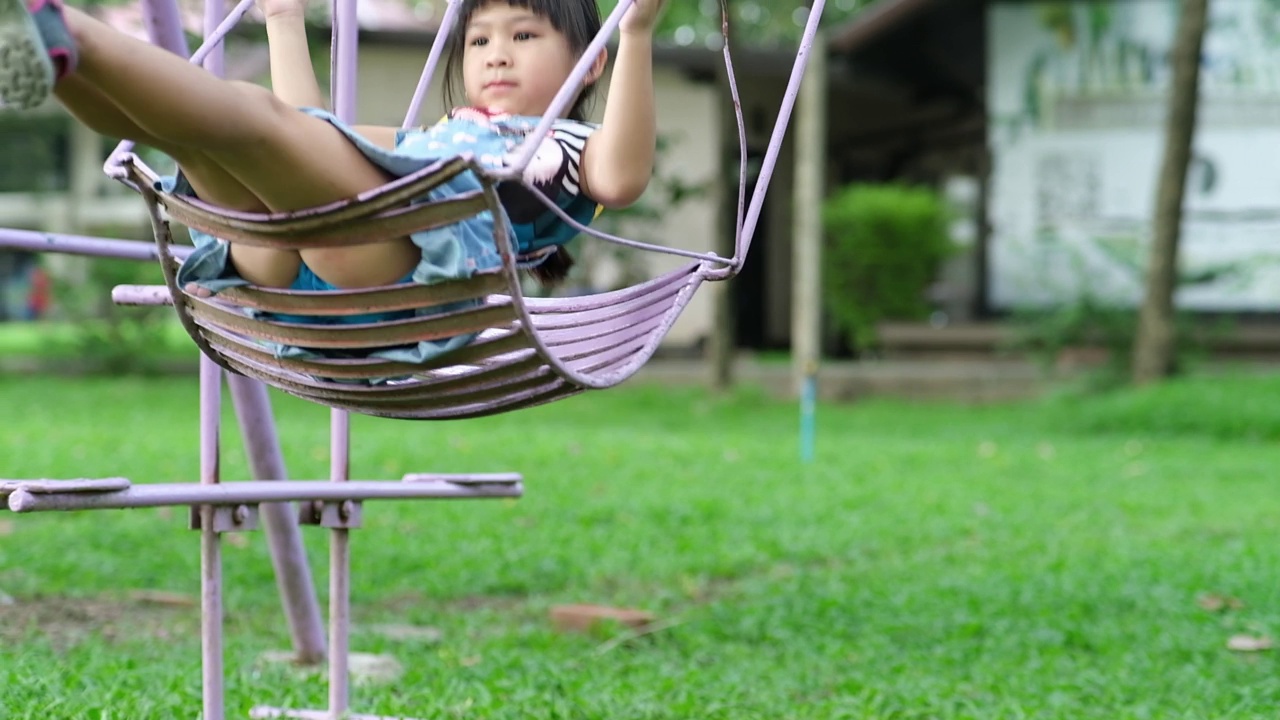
point(242, 147)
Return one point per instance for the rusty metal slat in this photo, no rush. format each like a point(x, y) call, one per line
point(355, 337)
point(360, 231)
point(385, 197)
point(364, 300)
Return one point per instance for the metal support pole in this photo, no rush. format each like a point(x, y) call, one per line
point(253, 409)
point(210, 449)
point(346, 37)
point(210, 544)
point(280, 521)
point(214, 12)
point(339, 572)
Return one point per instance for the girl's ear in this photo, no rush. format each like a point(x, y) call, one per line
point(597, 68)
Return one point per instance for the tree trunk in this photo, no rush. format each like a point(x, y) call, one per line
point(1154, 348)
point(722, 343)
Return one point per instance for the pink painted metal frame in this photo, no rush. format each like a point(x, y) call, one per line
point(529, 351)
point(579, 343)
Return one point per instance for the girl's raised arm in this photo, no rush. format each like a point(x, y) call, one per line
point(617, 161)
point(293, 77)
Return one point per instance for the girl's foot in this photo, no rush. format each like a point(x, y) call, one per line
point(35, 50)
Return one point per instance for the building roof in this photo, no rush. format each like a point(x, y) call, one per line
point(875, 21)
point(371, 14)
point(933, 47)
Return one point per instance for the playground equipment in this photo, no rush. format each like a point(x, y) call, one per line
point(528, 351)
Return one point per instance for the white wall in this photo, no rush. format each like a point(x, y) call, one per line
point(1076, 133)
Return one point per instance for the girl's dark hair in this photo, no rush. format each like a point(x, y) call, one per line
point(579, 22)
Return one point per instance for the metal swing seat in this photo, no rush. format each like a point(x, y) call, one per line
point(527, 351)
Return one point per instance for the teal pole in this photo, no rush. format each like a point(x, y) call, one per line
point(808, 406)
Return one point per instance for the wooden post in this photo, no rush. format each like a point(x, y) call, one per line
point(810, 171)
point(85, 171)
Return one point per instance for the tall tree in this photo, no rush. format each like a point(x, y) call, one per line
point(1154, 347)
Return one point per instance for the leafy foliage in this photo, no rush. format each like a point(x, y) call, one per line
point(757, 22)
point(110, 339)
point(687, 22)
point(885, 245)
point(1094, 316)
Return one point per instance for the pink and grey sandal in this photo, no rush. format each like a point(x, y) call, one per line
point(35, 50)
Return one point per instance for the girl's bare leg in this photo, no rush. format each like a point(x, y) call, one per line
point(261, 266)
point(287, 159)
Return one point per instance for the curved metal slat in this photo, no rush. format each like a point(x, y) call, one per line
point(248, 354)
point(545, 306)
point(362, 368)
point(581, 351)
point(547, 323)
point(354, 337)
point(604, 328)
point(461, 398)
point(601, 380)
point(393, 194)
point(479, 403)
point(440, 387)
point(610, 360)
point(407, 296)
point(556, 390)
point(571, 352)
point(358, 231)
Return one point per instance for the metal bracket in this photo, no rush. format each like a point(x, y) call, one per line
point(227, 518)
point(344, 514)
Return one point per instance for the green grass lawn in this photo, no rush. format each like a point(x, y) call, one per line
point(56, 340)
point(1041, 560)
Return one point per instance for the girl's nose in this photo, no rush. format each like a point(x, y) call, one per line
point(498, 55)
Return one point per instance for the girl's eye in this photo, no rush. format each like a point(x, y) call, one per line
point(478, 41)
point(524, 36)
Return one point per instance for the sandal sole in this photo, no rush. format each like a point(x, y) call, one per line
point(26, 72)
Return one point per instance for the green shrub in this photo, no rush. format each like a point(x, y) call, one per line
point(885, 245)
point(107, 338)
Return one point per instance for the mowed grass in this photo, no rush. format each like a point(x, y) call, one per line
point(1043, 560)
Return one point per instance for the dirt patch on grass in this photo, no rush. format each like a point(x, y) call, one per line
point(64, 622)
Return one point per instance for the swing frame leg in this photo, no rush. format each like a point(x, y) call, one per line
point(253, 408)
point(211, 610)
point(339, 516)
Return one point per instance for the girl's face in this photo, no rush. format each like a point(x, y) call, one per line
point(513, 61)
